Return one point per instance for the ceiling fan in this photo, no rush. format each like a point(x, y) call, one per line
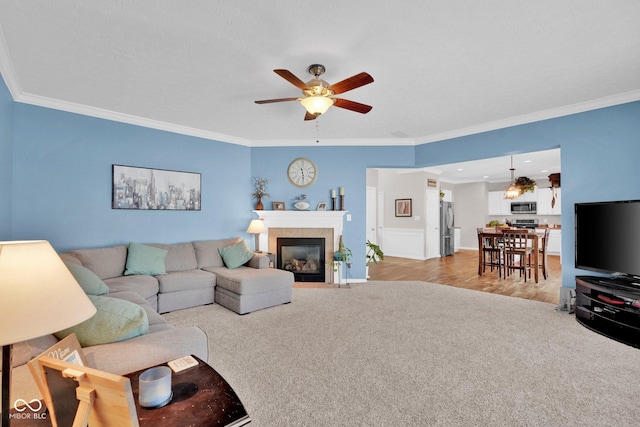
point(318, 93)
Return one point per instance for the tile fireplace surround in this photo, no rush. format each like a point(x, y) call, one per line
point(323, 224)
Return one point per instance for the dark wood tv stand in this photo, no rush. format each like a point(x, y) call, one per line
point(609, 306)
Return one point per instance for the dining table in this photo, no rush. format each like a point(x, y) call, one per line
point(537, 242)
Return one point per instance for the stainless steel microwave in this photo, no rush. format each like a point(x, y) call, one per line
point(524, 207)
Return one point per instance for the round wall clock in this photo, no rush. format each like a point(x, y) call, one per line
point(302, 172)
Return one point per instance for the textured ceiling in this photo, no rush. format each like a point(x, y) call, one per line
point(536, 165)
point(441, 68)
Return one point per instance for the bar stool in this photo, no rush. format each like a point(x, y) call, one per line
point(491, 249)
point(517, 253)
point(542, 253)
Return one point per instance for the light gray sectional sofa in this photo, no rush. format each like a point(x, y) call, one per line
point(194, 274)
point(164, 342)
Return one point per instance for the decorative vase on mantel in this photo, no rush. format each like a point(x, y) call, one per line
point(259, 205)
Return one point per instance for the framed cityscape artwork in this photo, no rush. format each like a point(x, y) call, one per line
point(155, 189)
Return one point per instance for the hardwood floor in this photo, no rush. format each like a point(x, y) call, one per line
point(461, 270)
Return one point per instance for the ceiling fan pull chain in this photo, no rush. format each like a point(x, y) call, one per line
point(317, 131)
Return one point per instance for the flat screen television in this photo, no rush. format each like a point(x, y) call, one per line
point(608, 237)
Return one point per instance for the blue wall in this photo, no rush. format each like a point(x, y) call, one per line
point(6, 167)
point(599, 155)
point(62, 181)
point(55, 174)
point(337, 167)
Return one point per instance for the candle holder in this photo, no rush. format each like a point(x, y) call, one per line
point(333, 203)
point(342, 202)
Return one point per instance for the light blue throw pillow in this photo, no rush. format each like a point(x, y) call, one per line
point(115, 320)
point(145, 259)
point(236, 255)
point(87, 279)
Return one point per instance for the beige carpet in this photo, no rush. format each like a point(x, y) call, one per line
point(419, 354)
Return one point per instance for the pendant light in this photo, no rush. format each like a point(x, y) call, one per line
point(513, 190)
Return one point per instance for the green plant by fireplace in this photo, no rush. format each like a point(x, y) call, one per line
point(343, 254)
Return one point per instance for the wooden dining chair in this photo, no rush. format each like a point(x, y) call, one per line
point(491, 249)
point(517, 252)
point(542, 253)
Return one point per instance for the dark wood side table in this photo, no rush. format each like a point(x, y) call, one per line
point(201, 397)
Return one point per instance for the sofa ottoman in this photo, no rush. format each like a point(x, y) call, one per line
point(247, 289)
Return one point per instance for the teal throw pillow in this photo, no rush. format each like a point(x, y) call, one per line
point(145, 259)
point(87, 279)
point(236, 255)
point(115, 320)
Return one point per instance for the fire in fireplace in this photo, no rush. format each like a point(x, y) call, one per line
point(303, 256)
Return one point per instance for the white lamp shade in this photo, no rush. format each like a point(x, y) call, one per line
point(317, 104)
point(38, 294)
point(256, 227)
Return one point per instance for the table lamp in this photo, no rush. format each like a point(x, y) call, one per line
point(256, 227)
point(38, 296)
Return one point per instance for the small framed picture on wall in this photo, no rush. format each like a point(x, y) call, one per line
point(403, 207)
point(278, 206)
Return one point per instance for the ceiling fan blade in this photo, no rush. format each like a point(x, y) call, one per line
point(309, 116)
point(351, 105)
point(269, 101)
point(291, 78)
point(351, 83)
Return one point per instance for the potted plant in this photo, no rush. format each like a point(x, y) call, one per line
point(525, 184)
point(342, 255)
point(259, 191)
point(374, 254)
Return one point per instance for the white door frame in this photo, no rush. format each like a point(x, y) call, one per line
point(432, 224)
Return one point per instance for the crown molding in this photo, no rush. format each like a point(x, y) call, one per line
point(19, 96)
point(127, 118)
point(10, 77)
point(342, 142)
point(6, 68)
point(595, 104)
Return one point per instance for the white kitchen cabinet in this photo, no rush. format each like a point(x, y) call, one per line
point(447, 195)
point(557, 209)
point(545, 195)
point(497, 204)
point(528, 196)
point(555, 242)
point(544, 201)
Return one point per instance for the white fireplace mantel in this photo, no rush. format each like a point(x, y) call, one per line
point(302, 219)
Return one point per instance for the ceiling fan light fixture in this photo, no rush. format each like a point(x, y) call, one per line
point(316, 105)
point(317, 93)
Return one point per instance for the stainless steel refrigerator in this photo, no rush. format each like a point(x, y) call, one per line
point(446, 228)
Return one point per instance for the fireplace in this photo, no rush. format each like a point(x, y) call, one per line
point(326, 225)
point(303, 256)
